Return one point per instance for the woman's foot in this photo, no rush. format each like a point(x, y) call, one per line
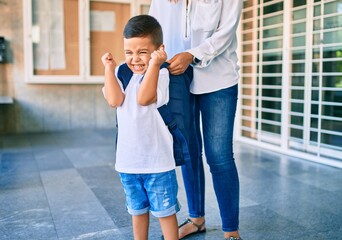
point(232, 235)
point(191, 226)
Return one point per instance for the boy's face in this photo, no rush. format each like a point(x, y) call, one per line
point(138, 52)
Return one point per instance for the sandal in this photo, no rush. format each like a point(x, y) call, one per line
point(198, 226)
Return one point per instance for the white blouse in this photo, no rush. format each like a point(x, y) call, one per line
point(206, 29)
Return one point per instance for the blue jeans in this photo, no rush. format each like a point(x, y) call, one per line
point(217, 112)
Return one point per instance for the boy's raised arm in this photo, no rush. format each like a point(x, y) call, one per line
point(147, 93)
point(112, 90)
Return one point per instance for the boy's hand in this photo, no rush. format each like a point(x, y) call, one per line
point(158, 57)
point(108, 61)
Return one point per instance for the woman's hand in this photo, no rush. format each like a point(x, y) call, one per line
point(180, 62)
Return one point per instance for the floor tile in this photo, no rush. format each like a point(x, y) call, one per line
point(63, 185)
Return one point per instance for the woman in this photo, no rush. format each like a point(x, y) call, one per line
point(203, 33)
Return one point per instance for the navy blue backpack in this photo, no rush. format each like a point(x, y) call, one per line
point(177, 113)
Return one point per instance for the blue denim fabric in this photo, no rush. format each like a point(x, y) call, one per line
point(155, 192)
point(217, 112)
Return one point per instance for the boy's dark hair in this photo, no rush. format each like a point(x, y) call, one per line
point(143, 26)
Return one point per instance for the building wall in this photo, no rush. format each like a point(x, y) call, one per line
point(43, 107)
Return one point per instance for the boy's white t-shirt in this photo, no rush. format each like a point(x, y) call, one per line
point(144, 143)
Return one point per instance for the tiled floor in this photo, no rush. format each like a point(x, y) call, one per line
point(63, 186)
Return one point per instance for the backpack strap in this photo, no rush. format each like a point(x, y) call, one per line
point(180, 145)
point(124, 74)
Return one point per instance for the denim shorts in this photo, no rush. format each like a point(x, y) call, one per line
point(155, 192)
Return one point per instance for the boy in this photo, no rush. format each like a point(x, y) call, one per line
point(144, 157)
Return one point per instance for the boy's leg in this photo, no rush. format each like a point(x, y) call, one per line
point(162, 191)
point(169, 226)
point(137, 203)
point(140, 226)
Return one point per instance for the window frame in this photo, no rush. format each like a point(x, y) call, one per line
point(84, 76)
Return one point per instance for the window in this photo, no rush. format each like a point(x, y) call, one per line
point(64, 40)
point(326, 89)
point(261, 76)
point(291, 81)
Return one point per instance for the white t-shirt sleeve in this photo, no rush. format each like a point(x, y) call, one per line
point(163, 87)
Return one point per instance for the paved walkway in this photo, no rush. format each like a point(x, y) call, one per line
point(63, 186)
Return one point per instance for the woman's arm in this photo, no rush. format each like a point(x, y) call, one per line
point(223, 36)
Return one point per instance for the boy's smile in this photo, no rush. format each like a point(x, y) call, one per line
point(138, 52)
